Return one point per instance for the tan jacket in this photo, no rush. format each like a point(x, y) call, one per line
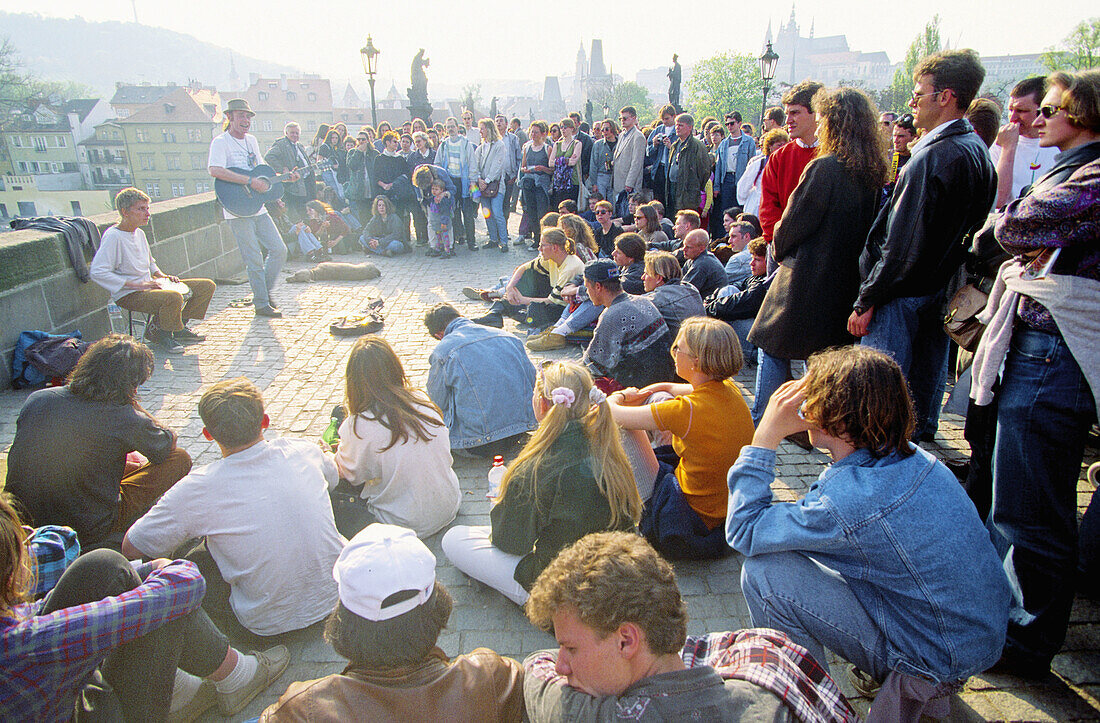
point(627, 162)
point(479, 686)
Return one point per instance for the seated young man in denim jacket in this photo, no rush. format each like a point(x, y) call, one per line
point(885, 560)
point(481, 380)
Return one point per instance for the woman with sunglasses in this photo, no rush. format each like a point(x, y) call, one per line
point(572, 478)
point(648, 226)
point(1042, 327)
point(709, 422)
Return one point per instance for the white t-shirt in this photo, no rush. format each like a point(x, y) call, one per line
point(267, 518)
point(229, 152)
point(1030, 164)
point(122, 256)
point(731, 155)
point(410, 484)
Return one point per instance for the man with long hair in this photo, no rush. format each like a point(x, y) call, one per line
point(70, 463)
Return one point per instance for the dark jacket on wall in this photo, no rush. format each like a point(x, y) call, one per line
point(817, 246)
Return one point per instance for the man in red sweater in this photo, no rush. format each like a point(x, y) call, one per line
point(784, 168)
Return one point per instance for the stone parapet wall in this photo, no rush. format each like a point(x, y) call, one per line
point(40, 291)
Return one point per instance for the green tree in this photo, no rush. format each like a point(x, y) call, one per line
point(896, 96)
point(725, 82)
point(1080, 49)
point(626, 93)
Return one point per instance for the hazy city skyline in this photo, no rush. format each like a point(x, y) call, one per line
point(477, 43)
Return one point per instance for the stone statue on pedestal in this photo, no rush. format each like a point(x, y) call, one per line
point(419, 106)
point(674, 74)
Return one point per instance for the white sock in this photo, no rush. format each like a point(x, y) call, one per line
point(245, 670)
point(184, 689)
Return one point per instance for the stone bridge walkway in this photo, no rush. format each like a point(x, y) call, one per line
point(299, 366)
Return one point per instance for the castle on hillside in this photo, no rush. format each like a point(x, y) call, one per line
point(826, 59)
point(591, 78)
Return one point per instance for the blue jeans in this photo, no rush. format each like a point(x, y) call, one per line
point(495, 222)
point(815, 606)
point(329, 177)
point(910, 329)
point(307, 242)
point(1045, 409)
point(748, 350)
point(771, 373)
point(394, 246)
point(252, 234)
point(580, 318)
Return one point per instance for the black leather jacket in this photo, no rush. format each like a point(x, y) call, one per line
point(917, 241)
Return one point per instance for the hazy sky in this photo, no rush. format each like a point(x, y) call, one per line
point(519, 40)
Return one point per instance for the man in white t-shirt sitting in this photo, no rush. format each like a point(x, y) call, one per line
point(256, 234)
point(270, 540)
point(1016, 152)
point(124, 266)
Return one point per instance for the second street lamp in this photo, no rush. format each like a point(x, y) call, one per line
point(370, 67)
point(768, 62)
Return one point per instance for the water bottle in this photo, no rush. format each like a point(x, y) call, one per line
point(331, 435)
point(496, 476)
point(114, 312)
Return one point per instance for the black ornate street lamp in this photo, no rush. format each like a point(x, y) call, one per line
point(370, 67)
point(768, 62)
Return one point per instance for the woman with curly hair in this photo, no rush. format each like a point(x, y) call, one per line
point(571, 479)
point(394, 445)
point(382, 234)
point(580, 234)
point(818, 244)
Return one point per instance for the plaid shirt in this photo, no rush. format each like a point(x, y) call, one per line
point(44, 659)
point(773, 661)
point(54, 548)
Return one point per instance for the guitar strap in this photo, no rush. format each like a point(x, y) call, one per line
point(301, 155)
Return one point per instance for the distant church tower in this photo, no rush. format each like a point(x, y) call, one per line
point(234, 79)
point(580, 78)
point(786, 44)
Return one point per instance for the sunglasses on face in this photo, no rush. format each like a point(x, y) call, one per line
point(1049, 111)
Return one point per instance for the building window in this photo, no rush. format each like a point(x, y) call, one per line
point(139, 133)
point(198, 161)
point(23, 167)
point(262, 95)
point(76, 208)
point(146, 161)
point(172, 161)
point(194, 135)
point(202, 186)
point(311, 125)
point(123, 112)
point(114, 134)
point(3, 211)
point(26, 208)
point(291, 95)
point(177, 189)
point(17, 141)
point(60, 142)
point(169, 135)
point(54, 168)
point(311, 96)
point(39, 143)
point(267, 125)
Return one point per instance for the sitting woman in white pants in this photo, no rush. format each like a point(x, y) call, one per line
point(571, 479)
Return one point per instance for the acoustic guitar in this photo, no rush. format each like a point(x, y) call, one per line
point(243, 200)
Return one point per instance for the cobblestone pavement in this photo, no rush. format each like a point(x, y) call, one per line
point(299, 366)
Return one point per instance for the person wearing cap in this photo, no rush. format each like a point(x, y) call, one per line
point(388, 618)
point(256, 235)
point(631, 341)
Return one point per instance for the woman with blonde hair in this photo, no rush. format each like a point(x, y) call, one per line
point(394, 445)
point(491, 163)
point(571, 479)
point(580, 233)
point(710, 423)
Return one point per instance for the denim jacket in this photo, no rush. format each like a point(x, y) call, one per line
point(746, 149)
point(907, 540)
point(482, 380)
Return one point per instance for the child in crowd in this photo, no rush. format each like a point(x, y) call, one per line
point(440, 211)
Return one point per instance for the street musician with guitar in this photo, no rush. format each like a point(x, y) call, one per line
point(234, 159)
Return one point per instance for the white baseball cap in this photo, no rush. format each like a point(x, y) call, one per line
point(378, 562)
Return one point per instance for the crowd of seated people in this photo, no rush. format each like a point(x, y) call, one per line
point(642, 448)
